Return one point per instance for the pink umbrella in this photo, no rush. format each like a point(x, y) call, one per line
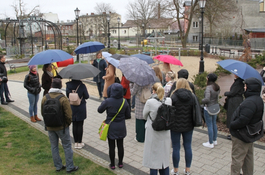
point(168, 59)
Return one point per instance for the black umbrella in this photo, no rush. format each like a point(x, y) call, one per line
point(79, 71)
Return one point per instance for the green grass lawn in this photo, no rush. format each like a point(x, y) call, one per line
point(25, 150)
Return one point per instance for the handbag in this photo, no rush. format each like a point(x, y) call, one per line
point(117, 80)
point(197, 112)
point(252, 132)
point(104, 127)
point(214, 109)
point(74, 98)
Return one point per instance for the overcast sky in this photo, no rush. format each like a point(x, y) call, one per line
point(64, 8)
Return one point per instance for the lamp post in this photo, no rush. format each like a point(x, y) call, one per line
point(149, 29)
point(77, 11)
point(202, 6)
point(119, 44)
point(143, 33)
point(108, 20)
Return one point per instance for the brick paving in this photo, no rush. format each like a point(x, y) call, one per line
point(205, 161)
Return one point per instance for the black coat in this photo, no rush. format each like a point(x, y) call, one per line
point(117, 129)
point(3, 71)
point(182, 99)
point(173, 87)
point(234, 98)
point(46, 81)
point(250, 110)
point(101, 65)
point(78, 112)
point(32, 83)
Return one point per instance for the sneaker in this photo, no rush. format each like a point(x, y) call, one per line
point(208, 145)
point(82, 144)
point(120, 166)
point(78, 146)
point(215, 142)
point(133, 109)
point(186, 172)
point(111, 167)
point(74, 169)
point(173, 172)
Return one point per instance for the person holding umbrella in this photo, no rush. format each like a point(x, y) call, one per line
point(101, 65)
point(109, 78)
point(32, 84)
point(79, 113)
point(46, 79)
point(233, 99)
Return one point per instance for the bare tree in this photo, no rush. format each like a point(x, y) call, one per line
point(219, 11)
point(21, 11)
point(142, 11)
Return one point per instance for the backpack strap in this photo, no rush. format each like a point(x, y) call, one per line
point(74, 91)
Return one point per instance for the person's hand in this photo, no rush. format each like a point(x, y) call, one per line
point(103, 77)
point(263, 68)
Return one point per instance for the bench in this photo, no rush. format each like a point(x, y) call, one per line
point(130, 51)
point(255, 52)
point(19, 63)
point(175, 51)
point(224, 50)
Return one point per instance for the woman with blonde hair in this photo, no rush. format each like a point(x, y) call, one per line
point(182, 99)
point(170, 77)
point(156, 157)
point(159, 77)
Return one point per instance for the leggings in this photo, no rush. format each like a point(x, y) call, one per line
point(112, 151)
point(78, 131)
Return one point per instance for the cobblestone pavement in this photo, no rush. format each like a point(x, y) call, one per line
point(205, 161)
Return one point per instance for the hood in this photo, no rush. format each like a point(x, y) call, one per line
point(55, 90)
point(183, 73)
point(253, 86)
point(183, 94)
point(115, 91)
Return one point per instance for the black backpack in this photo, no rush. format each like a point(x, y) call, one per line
point(52, 112)
point(163, 120)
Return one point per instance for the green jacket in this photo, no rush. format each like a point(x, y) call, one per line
point(66, 109)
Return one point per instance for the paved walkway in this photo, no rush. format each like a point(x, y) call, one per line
point(205, 161)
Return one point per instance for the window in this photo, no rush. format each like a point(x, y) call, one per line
point(195, 38)
point(195, 24)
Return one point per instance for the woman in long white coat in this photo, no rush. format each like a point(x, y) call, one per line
point(157, 143)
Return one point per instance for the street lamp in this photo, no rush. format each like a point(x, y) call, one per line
point(108, 19)
point(119, 44)
point(77, 11)
point(202, 6)
point(143, 33)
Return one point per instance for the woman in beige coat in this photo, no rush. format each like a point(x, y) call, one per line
point(109, 78)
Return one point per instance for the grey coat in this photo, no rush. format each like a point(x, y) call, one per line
point(157, 144)
point(139, 106)
point(210, 96)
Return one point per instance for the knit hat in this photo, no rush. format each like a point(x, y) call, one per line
point(212, 77)
point(183, 73)
point(57, 83)
point(31, 67)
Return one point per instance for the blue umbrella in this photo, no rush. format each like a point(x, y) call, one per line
point(143, 57)
point(89, 47)
point(241, 69)
point(49, 56)
point(137, 71)
point(113, 61)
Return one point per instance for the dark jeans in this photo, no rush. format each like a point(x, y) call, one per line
point(161, 171)
point(133, 102)
point(78, 131)
point(129, 103)
point(4, 89)
point(112, 151)
point(100, 86)
point(187, 139)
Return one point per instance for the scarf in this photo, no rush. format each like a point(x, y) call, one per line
point(49, 73)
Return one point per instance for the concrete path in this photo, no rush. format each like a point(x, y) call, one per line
point(205, 161)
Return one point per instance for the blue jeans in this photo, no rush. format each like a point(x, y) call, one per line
point(161, 171)
point(211, 125)
point(133, 102)
point(66, 142)
point(100, 86)
point(4, 89)
point(187, 139)
point(33, 104)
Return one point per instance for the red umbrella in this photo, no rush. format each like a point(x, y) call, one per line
point(168, 59)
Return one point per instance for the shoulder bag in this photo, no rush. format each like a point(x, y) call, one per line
point(74, 98)
point(252, 132)
point(104, 128)
point(214, 109)
point(197, 113)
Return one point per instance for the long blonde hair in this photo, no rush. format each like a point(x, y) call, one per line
point(182, 83)
point(158, 88)
point(158, 72)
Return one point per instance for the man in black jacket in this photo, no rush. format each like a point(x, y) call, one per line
point(249, 112)
point(4, 87)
